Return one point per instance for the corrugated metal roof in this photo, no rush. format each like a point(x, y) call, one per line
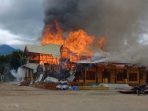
point(47, 49)
point(31, 65)
point(105, 60)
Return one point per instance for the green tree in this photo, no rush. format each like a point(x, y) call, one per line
point(16, 59)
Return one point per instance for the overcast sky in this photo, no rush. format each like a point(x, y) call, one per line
point(21, 21)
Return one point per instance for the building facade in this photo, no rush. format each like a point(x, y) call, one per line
point(112, 73)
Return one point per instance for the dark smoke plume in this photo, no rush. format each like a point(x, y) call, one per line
point(123, 22)
point(64, 11)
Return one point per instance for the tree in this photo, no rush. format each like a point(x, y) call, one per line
point(11, 61)
point(16, 59)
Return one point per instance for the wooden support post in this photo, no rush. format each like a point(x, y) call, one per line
point(96, 73)
point(138, 77)
point(85, 77)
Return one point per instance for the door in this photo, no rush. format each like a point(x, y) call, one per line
point(106, 76)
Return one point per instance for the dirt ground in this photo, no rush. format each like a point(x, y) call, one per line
point(20, 98)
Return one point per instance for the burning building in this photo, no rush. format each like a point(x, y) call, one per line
point(67, 43)
point(60, 55)
point(43, 54)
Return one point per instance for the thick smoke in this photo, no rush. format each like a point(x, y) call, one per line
point(64, 11)
point(123, 22)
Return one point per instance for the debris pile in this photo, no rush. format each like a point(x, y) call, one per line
point(43, 78)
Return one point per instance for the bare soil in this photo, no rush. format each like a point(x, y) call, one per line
point(21, 98)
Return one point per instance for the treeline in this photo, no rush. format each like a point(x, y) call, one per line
point(10, 61)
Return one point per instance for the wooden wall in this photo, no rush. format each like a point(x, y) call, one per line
point(41, 58)
point(113, 74)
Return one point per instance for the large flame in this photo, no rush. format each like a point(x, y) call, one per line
point(77, 43)
point(52, 34)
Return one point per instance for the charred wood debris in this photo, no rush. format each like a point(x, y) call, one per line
point(54, 76)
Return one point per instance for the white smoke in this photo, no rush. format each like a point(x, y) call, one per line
point(137, 54)
point(19, 74)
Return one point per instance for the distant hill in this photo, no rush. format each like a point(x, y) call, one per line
point(6, 49)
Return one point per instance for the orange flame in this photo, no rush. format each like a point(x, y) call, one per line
point(78, 42)
point(51, 36)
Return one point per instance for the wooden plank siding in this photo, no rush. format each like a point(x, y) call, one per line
point(119, 75)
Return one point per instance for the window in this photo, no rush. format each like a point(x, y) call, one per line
point(106, 73)
point(133, 76)
point(120, 76)
point(90, 75)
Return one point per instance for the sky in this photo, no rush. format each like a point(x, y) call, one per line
point(21, 22)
